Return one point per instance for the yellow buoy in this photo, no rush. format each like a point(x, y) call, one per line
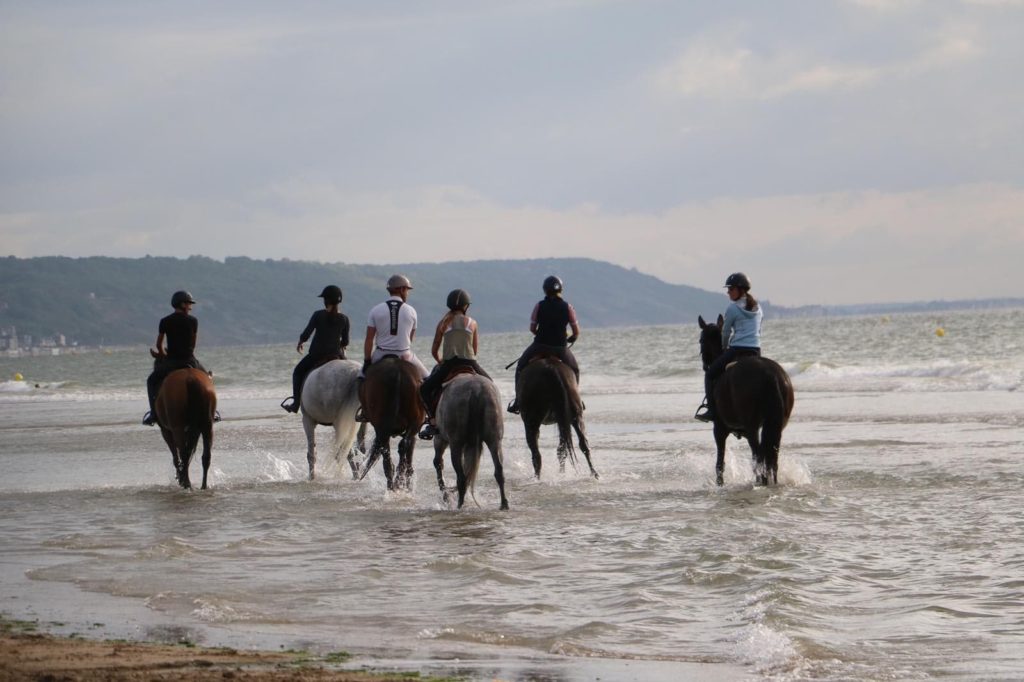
point(940, 332)
point(18, 377)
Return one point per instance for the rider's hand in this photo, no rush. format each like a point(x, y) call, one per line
point(156, 353)
point(298, 348)
point(572, 339)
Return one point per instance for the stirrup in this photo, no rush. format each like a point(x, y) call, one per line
point(706, 416)
point(292, 406)
point(513, 406)
point(361, 415)
point(428, 432)
point(149, 419)
point(216, 416)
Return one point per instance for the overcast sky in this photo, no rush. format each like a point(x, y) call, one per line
point(849, 151)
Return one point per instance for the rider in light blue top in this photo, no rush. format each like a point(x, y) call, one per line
point(741, 335)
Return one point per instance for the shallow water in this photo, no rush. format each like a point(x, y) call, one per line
point(891, 549)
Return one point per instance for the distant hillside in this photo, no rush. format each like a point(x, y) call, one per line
point(243, 301)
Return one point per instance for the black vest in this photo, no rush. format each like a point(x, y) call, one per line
point(552, 319)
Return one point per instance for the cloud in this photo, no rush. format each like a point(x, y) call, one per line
point(720, 66)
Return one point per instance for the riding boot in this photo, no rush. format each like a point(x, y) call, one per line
point(513, 406)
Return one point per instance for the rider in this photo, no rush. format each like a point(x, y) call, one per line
point(741, 335)
point(456, 342)
point(392, 326)
point(180, 330)
point(547, 323)
point(329, 329)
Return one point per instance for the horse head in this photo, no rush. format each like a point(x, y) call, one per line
point(710, 340)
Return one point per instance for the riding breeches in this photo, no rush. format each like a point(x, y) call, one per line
point(407, 355)
point(431, 387)
point(163, 367)
point(561, 352)
point(717, 367)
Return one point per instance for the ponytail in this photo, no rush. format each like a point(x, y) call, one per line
point(751, 301)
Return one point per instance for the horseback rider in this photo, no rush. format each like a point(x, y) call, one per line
point(456, 342)
point(741, 336)
point(329, 328)
point(180, 330)
point(548, 321)
point(390, 329)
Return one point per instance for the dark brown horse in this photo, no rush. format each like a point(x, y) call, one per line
point(548, 394)
point(753, 399)
point(391, 402)
point(185, 407)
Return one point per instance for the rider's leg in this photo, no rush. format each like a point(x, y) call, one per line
point(530, 351)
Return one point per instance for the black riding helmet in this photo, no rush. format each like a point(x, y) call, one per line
point(331, 294)
point(738, 280)
point(552, 285)
point(458, 299)
point(180, 297)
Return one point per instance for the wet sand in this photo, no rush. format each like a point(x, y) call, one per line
point(26, 655)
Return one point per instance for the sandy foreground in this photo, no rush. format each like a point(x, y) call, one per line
point(26, 655)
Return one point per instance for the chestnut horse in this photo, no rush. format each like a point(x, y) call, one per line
point(185, 406)
point(390, 394)
point(548, 394)
point(753, 399)
point(469, 415)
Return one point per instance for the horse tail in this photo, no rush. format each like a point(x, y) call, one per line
point(776, 414)
point(198, 414)
point(562, 405)
point(473, 443)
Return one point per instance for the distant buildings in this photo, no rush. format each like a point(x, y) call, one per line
point(12, 345)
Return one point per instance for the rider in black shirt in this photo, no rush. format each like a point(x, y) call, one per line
point(548, 322)
point(329, 329)
point(179, 330)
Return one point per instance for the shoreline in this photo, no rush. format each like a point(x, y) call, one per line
point(26, 653)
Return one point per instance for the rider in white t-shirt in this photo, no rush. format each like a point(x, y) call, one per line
point(391, 327)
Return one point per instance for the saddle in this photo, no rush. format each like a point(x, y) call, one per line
point(742, 355)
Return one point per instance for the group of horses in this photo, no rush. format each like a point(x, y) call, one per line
point(754, 400)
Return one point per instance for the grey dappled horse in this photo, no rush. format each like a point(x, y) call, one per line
point(330, 397)
point(469, 415)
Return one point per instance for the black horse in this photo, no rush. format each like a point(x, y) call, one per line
point(753, 399)
point(548, 395)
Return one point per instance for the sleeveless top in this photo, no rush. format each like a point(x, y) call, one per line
point(457, 341)
point(552, 319)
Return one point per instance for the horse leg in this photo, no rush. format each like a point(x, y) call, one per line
point(309, 426)
point(175, 457)
point(721, 435)
point(440, 445)
point(581, 436)
point(207, 445)
point(405, 448)
point(184, 457)
point(532, 433)
point(382, 448)
point(757, 453)
point(494, 445)
point(458, 449)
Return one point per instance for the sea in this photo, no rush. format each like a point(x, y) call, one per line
point(892, 547)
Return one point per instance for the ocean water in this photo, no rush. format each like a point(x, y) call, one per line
point(892, 548)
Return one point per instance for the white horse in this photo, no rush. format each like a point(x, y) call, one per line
point(469, 415)
point(330, 397)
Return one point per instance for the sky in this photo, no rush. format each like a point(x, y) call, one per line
point(843, 151)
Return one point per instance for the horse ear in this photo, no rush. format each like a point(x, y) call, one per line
point(721, 320)
point(700, 320)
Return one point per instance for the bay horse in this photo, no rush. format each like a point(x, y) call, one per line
point(391, 402)
point(185, 405)
point(548, 394)
point(330, 397)
point(753, 399)
point(469, 415)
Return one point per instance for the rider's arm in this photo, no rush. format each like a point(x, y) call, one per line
point(435, 347)
point(371, 334)
point(476, 338)
point(533, 319)
point(306, 333)
point(159, 352)
point(574, 325)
